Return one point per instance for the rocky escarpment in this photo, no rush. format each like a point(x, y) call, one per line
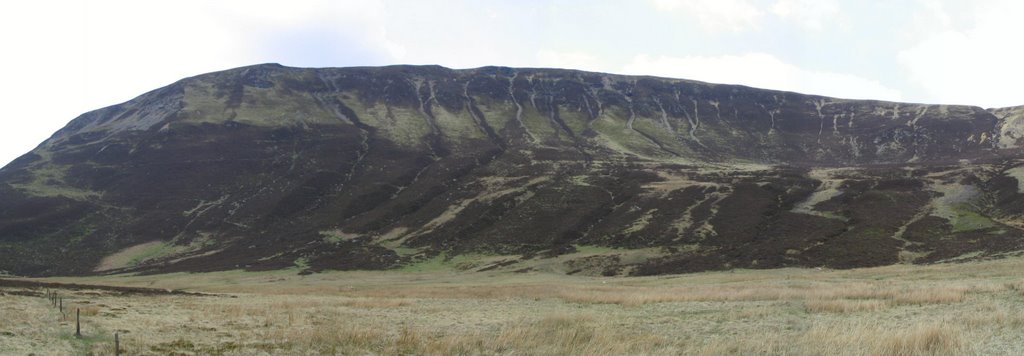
point(268, 167)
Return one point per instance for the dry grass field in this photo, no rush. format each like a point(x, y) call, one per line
point(968, 308)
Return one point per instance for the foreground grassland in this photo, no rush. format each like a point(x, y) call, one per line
point(969, 308)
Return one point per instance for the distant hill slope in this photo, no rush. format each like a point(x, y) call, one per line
point(269, 167)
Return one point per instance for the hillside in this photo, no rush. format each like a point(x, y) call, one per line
point(269, 167)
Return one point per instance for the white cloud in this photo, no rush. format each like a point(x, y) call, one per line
point(716, 15)
point(810, 14)
point(761, 70)
point(42, 70)
point(932, 15)
point(363, 20)
point(978, 66)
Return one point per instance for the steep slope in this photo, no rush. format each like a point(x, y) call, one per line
point(268, 167)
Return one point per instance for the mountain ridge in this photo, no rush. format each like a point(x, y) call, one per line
point(435, 70)
point(267, 167)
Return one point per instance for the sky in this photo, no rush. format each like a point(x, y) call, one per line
point(63, 58)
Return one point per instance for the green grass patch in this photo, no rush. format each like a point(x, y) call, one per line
point(580, 180)
point(266, 107)
point(966, 220)
point(153, 252)
point(84, 344)
point(405, 251)
point(575, 120)
point(538, 123)
point(872, 232)
point(48, 181)
point(663, 136)
point(301, 263)
point(590, 249)
point(444, 262)
point(436, 263)
point(201, 104)
point(640, 223)
point(497, 113)
point(336, 236)
point(456, 125)
point(611, 126)
point(403, 126)
point(956, 206)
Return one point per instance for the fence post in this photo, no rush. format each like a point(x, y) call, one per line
point(62, 305)
point(78, 323)
point(117, 345)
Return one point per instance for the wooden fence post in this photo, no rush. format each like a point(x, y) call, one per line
point(117, 345)
point(78, 323)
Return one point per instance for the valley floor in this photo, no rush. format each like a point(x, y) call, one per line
point(967, 308)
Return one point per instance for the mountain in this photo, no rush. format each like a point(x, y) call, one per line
point(269, 167)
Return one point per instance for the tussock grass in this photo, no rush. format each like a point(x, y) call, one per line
point(1016, 286)
point(377, 303)
point(865, 339)
point(896, 294)
point(346, 336)
point(969, 308)
point(84, 309)
point(946, 295)
point(928, 339)
point(331, 325)
point(844, 305)
point(552, 335)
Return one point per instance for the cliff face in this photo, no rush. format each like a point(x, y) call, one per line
point(269, 167)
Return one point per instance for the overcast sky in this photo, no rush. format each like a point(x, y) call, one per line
point(63, 58)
